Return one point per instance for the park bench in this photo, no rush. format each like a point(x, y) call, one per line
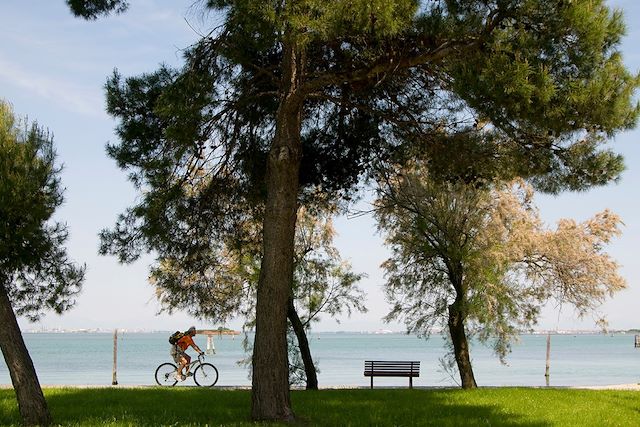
point(389, 368)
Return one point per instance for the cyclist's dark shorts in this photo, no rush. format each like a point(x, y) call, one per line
point(177, 353)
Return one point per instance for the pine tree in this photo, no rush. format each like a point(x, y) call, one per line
point(35, 273)
point(294, 98)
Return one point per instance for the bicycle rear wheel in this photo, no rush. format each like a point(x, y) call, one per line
point(165, 374)
point(205, 375)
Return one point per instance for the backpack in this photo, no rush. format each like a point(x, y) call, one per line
point(173, 339)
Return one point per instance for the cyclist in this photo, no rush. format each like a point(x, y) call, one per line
point(180, 356)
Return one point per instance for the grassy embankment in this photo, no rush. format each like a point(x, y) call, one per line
point(199, 407)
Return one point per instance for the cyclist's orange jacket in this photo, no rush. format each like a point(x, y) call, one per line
point(184, 342)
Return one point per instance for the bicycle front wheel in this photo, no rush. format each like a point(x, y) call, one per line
point(165, 374)
point(205, 375)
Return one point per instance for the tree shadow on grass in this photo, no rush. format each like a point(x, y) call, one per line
point(198, 407)
point(9, 414)
point(149, 406)
point(405, 408)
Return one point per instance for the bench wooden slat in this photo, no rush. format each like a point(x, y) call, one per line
point(381, 366)
point(391, 374)
point(391, 368)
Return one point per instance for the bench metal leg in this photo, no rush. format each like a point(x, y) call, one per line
point(410, 382)
point(372, 381)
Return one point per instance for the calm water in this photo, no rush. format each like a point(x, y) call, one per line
point(86, 358)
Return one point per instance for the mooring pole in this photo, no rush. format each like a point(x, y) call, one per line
point(546, 369)
point(114, 379)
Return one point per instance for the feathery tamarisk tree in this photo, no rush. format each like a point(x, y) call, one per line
point(291, 99)
point(476, 259)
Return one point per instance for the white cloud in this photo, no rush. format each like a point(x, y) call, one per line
point(65, 94)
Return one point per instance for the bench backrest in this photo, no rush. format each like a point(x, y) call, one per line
point(400, 368)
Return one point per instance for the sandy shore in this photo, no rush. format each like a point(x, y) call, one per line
point(632, 387)
point(635, 386)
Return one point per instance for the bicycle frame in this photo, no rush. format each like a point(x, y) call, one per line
point(194, 362)
point(203, 373)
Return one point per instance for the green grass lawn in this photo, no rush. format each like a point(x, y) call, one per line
point(449, 407)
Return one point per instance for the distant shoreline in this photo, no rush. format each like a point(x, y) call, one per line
point(147, 331)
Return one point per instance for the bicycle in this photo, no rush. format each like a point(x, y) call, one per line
point(204, 373)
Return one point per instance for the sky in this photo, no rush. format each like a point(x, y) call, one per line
point(53, 68)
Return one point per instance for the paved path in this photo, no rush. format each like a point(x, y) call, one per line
point(633, 387)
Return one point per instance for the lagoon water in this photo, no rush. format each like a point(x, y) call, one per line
point(576, 360)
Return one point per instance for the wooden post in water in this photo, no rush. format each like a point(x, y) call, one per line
point(637, 343)
point(546, 369)
point(114, 380)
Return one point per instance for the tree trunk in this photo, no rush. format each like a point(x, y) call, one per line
point(460, 345)
point(303, 343)
point(31, 403)
point(270, 391)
